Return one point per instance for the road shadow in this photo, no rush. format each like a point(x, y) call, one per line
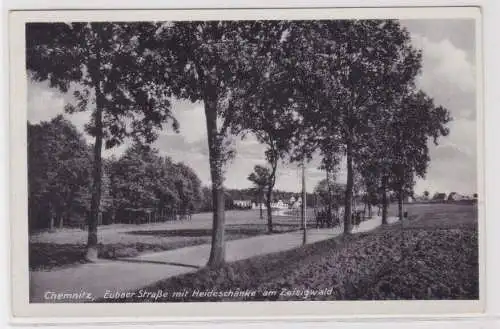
point(146, 261)
point(239, 230)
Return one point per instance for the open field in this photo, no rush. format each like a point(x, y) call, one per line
point(432, 256)
point(66, 247)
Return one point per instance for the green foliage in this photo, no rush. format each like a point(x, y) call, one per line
point(59, 168)
point(115, 78)
point(260, 177)
point(143, 180)
point(335, 192)
point(59, 163)
point(112, 57)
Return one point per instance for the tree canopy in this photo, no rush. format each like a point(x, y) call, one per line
point(59, 163)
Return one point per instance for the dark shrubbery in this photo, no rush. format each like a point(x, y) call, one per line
point(414, 262)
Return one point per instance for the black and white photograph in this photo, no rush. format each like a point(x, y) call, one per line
point(252, 160)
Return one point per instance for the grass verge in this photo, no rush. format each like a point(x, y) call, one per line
point(435, 258)
point(48, 255)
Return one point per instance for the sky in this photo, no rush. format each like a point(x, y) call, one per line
point(448, 76)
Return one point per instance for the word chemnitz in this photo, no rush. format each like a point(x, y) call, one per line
point(80, 295)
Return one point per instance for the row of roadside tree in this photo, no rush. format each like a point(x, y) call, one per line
point(344, 89)
point(140, 186)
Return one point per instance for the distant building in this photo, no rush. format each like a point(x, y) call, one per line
point(439, 197)
point(274, 205)
point(279, 205)
point(453, 196)
point(242, 203)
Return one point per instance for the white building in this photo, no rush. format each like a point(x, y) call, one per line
point(274, 205)
point(242, 203)
point(279, 205)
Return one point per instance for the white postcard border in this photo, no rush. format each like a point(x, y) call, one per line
point(206, 311)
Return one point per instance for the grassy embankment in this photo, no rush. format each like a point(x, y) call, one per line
point(434, 256)
point(66, 247)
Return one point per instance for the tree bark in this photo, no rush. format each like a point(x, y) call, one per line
point(269, 211)
point(96, 190)
point(217, 252)
point(384, 200)
point(51, 220)
point(349, 188)
point(269, 200)
point(61, 221)
point(260, 204)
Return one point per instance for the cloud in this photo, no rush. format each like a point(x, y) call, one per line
point(453, 165)
point(451, 170)
point(448, 75)
point(44, 103)
point(191, 117)
point(449, 64)
point(460, 32)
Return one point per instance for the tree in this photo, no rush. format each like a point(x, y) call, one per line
point(261, 177)
point(207, 202)
point(426, 195)
point(137, 175)
point(365, 63)
point(329, 192)
point(416, 120)
point(370, 180)
point(330, 151)
point(144, 182)
point(270, 110)
point(188, 189)
point(113, 75)
point(58, 170)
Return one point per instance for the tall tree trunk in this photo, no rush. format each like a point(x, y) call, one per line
point(329, 200)
point(269, 210)
point(51, 219)
point(270, 186)
point(348, 190)
point(260, 204)
point(60, 223)
point(95, 201)
point(384, 200)
point(400, 203)
point(217, 252)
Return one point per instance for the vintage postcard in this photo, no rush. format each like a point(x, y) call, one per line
point(194, 164)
